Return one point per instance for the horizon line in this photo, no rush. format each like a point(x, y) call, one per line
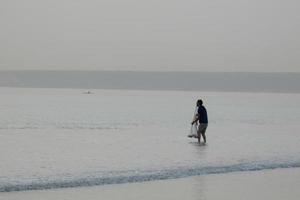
point(145, 71)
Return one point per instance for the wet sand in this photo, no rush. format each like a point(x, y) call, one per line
point(266, 184)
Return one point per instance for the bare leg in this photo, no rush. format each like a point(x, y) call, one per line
point(204, 137)
point(199, 137)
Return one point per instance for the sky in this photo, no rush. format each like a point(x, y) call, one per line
point(150, 35)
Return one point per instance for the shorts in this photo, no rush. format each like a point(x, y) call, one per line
point(202, 128)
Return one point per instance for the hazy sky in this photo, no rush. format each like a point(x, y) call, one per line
point(201, 35)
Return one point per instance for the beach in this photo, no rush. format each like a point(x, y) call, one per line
point(113, 144)
point(100, 99)
point(266, 184)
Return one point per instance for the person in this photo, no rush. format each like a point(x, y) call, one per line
point(202, 118)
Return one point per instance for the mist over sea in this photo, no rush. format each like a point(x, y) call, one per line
point(138, 80)
point(97, 99)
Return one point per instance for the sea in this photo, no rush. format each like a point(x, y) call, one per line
point(59, 138)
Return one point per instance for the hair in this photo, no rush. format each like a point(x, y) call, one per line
point(199, 102)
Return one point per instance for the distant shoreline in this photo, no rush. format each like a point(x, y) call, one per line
point(283, 82)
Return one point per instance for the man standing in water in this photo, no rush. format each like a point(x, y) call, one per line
point(201, 116)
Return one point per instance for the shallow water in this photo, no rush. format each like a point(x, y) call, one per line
point(52, 138)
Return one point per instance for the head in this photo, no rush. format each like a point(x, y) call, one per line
point(199, 102)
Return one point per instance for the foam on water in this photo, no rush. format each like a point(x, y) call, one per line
point(139, 176)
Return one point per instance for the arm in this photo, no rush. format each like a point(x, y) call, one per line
point(195, 120)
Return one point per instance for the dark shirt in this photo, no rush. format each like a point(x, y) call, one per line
point(202, 115)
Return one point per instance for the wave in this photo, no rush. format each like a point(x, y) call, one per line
point(140, 176)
